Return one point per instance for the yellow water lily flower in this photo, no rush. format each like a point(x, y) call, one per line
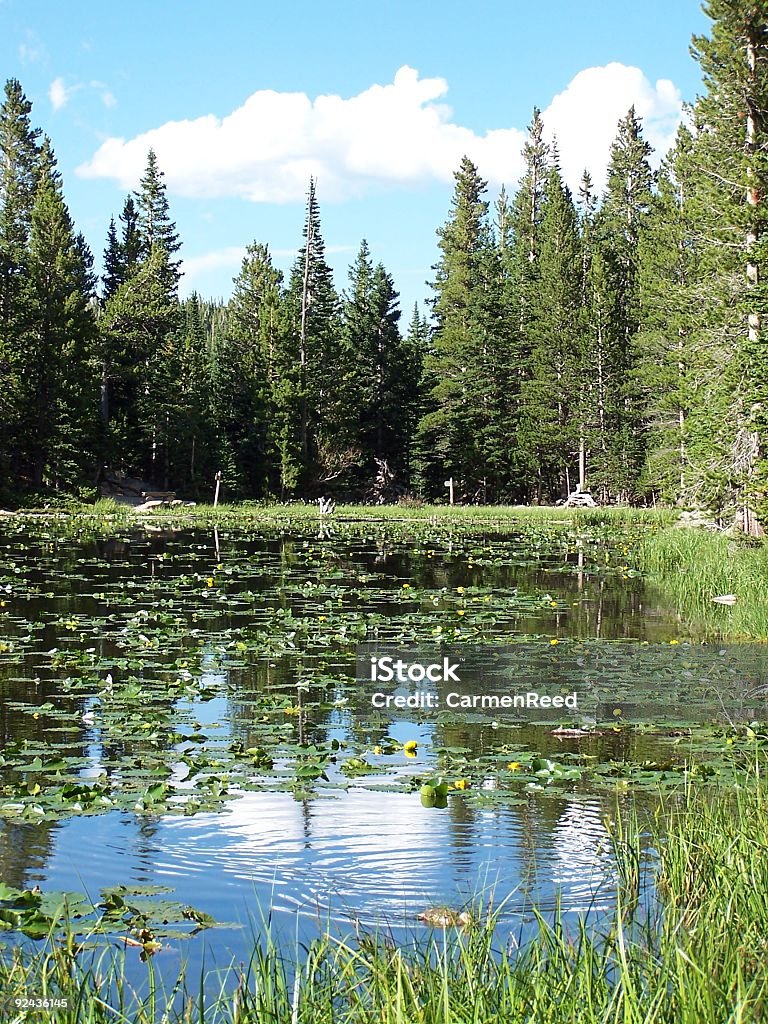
point(210, 581)
point(553, 643)
point(461, 784)
point(514, 766)
point(411, 747)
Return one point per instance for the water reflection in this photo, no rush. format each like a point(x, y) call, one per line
point(366, 858)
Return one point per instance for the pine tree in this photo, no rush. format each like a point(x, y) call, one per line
point(385, 372)
point(136, 329)
point(112, 277)
point(309, 403)
point(19, 170)
point(598, 307)
point(552, 397)
point(243, 368)
point(122, 255)
point(58, 346)
point(526, 215)
point(728, 212)
point(619, 226)
point(194, 461)
point(184, 445)
point(454, 430)
point(140, 340)
point(668, 354)
point(130, 241)
point(522, 243)
point(156, 230)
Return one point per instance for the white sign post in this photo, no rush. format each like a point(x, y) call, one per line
point(449, 485)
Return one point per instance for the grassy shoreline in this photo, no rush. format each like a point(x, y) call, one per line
point(692, 954)
point(308, 511)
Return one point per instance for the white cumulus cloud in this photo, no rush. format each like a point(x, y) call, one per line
point(59, 93)
point(399, 133)
point(584, 116)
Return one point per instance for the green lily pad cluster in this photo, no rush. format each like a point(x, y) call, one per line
point(140, 916)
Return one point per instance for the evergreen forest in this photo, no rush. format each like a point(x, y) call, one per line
point(610, 342)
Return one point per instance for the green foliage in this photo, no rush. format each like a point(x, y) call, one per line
point(615, 344)
point(243, 373)
point(153, 225)
point(705, 300)
point(384, 373)
point(467, 366)
point(618, 228)
point(309, 364)
point(137, 329)
point(551, 397)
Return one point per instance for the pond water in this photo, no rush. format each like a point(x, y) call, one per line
point(179, 710)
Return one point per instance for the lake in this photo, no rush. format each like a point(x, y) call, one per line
point(184, 724)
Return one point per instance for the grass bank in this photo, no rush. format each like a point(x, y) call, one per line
point(465, 516)
point(693, 566)
point(692, 954)
point(408, 511)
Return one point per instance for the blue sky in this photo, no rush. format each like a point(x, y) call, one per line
point(244, 100)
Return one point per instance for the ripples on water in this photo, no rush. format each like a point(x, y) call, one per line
point(370, 859)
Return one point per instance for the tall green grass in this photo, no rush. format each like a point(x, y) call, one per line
point(691, 566)
point(692, 953)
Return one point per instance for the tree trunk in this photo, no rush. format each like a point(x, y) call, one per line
point(754, 324)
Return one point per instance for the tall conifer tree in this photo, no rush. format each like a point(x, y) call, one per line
point(453, 430)
point(156, 230)
point(19, 171)
point(553, 399)
point(310, 404)
point(619, 226)
point(385, 370)
point(58, 344)
point(243, 398)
